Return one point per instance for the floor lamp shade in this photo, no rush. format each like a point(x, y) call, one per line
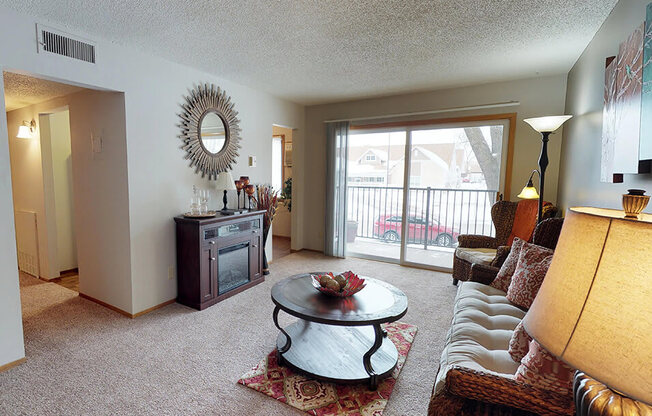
point(547, 124)
point(594, 308)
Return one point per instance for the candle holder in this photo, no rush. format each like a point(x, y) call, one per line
point(238, 186)
point(245, 182)
point(250, 190)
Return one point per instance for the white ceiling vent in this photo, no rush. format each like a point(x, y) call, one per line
point(61, 43)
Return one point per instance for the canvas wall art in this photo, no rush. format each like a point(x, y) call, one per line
point(621, 129)
point(629, 80)
point(646, 93)
point(609, 122)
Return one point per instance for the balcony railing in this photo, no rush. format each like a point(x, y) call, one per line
point(435, 216)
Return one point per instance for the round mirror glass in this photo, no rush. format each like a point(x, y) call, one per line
point(212, 132)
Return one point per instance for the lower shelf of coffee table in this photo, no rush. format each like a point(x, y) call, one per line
point(334, 353)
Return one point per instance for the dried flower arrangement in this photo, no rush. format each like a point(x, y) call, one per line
point(266, 199)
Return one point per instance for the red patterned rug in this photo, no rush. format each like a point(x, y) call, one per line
point(327, 399)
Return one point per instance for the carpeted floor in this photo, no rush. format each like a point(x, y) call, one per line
point(85, 359)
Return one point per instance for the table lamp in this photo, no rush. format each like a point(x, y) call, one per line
point(594, 310)
point(545, 126)
point(225, 183)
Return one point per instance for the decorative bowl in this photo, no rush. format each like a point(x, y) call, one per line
point(353, 285)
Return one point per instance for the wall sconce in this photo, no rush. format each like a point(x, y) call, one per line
point(26, 130)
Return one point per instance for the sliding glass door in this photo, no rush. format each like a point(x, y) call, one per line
point(376, 164)
point(454, 178)
point(412, 189)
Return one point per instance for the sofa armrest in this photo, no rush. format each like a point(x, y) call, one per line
point(476, 241)
point(501, 255)
point(490, 388)
point(483, 273)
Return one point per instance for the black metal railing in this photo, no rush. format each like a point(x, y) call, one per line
point(435, 216)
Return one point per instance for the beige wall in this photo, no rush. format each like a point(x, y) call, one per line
point(101, 197)
point(579, 182)
point(537, 97)
point(282, 222)
point(12, 347)
point(63, 193)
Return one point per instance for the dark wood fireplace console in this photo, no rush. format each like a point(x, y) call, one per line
point(218, 257)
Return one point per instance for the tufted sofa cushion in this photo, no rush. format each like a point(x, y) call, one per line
point(483, 322)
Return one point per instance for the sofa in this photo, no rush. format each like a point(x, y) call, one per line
point(476, 372)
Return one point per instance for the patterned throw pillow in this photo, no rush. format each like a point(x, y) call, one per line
point(533, 263)
point(541, 369)
point(504, 276)
point(519, 345)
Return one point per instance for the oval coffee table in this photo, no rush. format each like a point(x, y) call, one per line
point(338, 339)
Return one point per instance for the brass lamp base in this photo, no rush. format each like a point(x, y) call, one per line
point(593, 398)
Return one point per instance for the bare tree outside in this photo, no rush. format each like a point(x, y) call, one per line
point(488, 158)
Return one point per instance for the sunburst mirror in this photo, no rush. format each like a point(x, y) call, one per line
point(210, 130)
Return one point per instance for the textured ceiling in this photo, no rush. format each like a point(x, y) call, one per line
point(21, 90)
point(320, 51)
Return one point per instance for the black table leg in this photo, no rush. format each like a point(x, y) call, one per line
point(366, 359)
point(288, 340)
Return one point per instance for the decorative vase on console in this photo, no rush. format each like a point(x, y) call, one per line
point(266, 199)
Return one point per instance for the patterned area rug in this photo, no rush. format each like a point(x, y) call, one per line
point(327, 399)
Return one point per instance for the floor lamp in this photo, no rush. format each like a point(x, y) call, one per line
point(545, 126)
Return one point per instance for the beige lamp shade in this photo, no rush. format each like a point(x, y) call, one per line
point(26, 129)
point(529, 192)
point(594, 308)
point(547, 124)
point(24, 132)
point(225, 182)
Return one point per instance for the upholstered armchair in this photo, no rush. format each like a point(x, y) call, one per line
point(479, 257)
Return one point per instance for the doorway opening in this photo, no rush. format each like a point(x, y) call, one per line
point(40, 153)
point(67, 151)
point(414, 187)
point(282, 182)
